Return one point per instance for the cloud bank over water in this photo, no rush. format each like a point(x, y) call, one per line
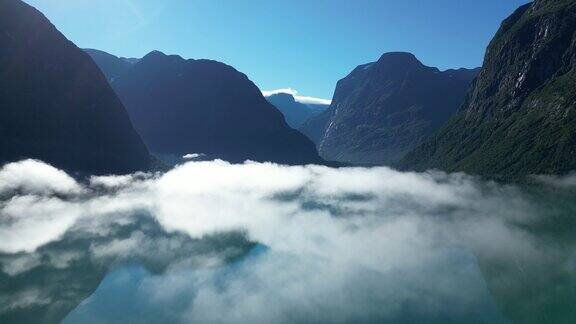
point(364, 244)
point(263, 199)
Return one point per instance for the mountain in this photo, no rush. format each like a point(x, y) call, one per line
point(315, 127)
point(55, 104)
point(200, 106)
point(382, 110)
point(520, 116)
point(112, 66)
point(296, 113)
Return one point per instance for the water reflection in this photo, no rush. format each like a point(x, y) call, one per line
point(211, 242)
point(44, 286)
point(129, 294)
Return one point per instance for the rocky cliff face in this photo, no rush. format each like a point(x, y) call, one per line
point(315, 127)
point(296, 113)
point(55, 104)
point(199, 106)
point(384, 109)
point(520, 117)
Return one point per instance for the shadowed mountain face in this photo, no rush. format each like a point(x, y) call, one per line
point(112, 66)
point(55, 104)
point(296, 113)
point(315, 127)
point(384, 109)
point(520, 117)
point(199, 106)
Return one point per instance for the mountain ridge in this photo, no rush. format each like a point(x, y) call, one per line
point(518, 118)
point(55, 104)
point(296, 113)
point(186, 106)
point(112, 66)
point(383, 109)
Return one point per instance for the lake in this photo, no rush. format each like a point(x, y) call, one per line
point(212, 242)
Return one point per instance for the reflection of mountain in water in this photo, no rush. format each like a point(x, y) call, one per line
point(538, 286)
point(46, 285)
point(124, 295)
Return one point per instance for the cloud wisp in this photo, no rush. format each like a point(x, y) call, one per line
point(564, 182)
point(301, 99)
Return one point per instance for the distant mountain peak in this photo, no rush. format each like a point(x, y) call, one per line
point(381, 110)
point(285, 96)
point(187, 105)
point(393, 64)
point(295, 112)
point(155, 53)
point(404, 57)
point(161, 56)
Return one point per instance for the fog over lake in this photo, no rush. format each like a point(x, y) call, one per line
point(213, 242)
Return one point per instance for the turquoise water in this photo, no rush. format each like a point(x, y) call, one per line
point(212, 242)
point(132, 294)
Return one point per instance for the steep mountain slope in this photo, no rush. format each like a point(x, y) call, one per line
point(296, 113)
point(315, 127)
point(112, 66)
point(55, 104)
point(200, 106)
point(384, 109)
point(520, 117)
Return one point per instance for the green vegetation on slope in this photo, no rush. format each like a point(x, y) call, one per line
point(519, 118)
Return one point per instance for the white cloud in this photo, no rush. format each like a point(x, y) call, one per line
point(23, 299)
point(111, 182)
point(192, 156)
point(268, 93)
point(313, 100)
point(203, 198)
point(300, 99)
point(566, 181)
point(20, 264)
point(29, 222)
point(35, 177)
point(340, 244)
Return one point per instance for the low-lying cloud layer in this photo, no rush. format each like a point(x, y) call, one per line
point(335, 245)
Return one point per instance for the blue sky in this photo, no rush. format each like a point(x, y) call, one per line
point(306, 45)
